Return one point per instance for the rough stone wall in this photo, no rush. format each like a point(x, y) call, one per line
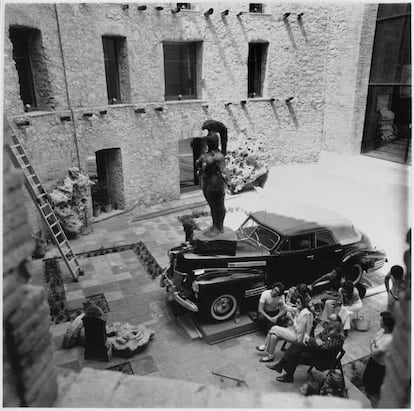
point(29, 376)
point(350, 38)
point(302, 62)
point(43, 18)
point(44, 99)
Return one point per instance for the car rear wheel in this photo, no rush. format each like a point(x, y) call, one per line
point(354, 273)
point(223, 307)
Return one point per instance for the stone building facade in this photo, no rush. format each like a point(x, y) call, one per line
point(319, 54)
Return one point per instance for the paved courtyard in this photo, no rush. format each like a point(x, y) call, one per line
point(134, 296)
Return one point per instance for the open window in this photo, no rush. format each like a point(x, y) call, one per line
point(184, 6)
point(182, 70)
point(255, 7)
point(116, 69)
point(28, 55)
point(256, 68)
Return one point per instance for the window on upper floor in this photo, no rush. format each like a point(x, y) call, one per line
point(256, 68)
point(116, 69)
point(184, 6)
point(182, 70)
point(28, 55)
point(256, 7)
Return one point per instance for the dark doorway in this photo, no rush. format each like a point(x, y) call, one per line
point(387, 129)
point(108, 190)
point(189, 150)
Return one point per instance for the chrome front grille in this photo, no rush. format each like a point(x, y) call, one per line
point(179, 278)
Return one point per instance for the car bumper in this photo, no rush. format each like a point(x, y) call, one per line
point(175, 295)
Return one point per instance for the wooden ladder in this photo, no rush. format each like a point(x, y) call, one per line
point(40, 198)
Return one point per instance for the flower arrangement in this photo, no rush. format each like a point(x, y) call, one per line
point(244, 164)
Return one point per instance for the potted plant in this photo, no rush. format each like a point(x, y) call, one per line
point(96, 207)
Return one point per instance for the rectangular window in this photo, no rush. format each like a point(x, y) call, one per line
point(324, 239)
point(180, 70)
point(301, 242)
point(255, 7)
point(116, 69)
point(20, 38)
point(184, 6)
point(256, 68)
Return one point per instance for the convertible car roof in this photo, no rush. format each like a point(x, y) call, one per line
point(295, 220)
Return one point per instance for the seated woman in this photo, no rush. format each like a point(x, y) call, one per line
point(302, 290)
point(302, 320)
point(349, 302)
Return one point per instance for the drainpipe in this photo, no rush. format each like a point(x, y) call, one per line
point(67, 89)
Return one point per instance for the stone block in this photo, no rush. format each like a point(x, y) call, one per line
point(41, 338)
point(37, 322)
point(44, 389)
point(37, 346)
point(21, 341)
point(13, 294)
point(33, 298)
point(92, 388)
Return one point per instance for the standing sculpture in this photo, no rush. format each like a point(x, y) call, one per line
point(213, 179)
point(218, 127)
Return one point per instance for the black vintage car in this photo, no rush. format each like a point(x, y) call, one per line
point(290, 244)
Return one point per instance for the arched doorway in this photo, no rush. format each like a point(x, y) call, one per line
point(387, 129)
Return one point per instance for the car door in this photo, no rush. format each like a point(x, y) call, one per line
point(293, 262)
point(327, 252)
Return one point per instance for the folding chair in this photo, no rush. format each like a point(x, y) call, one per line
point(335, 365)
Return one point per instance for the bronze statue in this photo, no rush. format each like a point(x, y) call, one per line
point(218, 127)
point(213, 179)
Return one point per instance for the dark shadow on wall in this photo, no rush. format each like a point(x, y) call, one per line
point(293, 115)
point(248, 116)
point(223, 57)
point(233, 118)
point(231, 37)
point(240, 20)
point(275, 112)
point(303, 31)
point(290, 34)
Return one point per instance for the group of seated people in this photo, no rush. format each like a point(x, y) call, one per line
point(292, 317)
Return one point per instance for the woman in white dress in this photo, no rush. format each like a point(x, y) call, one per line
point(302, 320)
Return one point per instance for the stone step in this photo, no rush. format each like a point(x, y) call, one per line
point(109, 389)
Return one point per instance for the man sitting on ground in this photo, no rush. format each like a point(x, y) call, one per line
point(319, 351)
point(271, 310)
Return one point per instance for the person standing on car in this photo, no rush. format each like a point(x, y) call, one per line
point(271, 310)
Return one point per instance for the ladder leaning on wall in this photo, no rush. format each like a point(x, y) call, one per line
point(40, 198)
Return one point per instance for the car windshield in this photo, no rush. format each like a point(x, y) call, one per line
point(253, 231)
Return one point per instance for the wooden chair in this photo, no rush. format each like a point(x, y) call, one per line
point(96, 345)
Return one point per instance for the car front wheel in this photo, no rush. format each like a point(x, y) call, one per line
point(223, 307)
